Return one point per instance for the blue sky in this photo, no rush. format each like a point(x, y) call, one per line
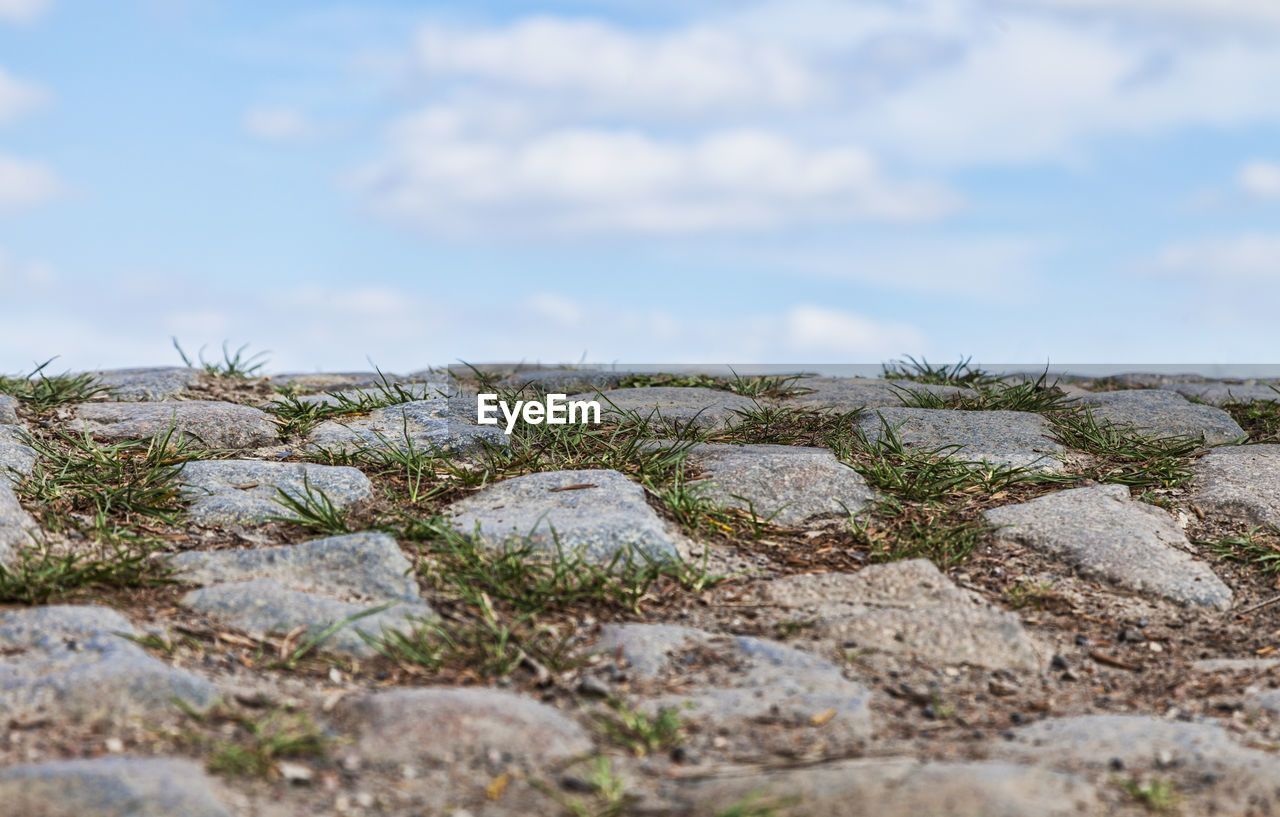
point(804, 181)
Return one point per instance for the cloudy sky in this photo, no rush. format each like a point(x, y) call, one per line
point(801, 181)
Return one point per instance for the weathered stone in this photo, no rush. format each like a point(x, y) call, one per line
point(563, 381)
point(1221, 775)
point(703, 408)
point(1103, 533)
point(597, 513)
point(730, 683)
point(262, 606)
point(446, 425)
point(893, 787)
point(1266, 702)
point(17, 459)
point(17, 528)
point(1218, 392)
point(905, 608)
point(850, 393)
point(1016, 439)
point(1163, 413)
point(367, 566)
point(396, 394)
point(1235, 664)
point(786, 484)
point(460, 727)
point(233, 492)
point(70, 661)
point(8, 409)
point(1239, 484)
point(208, 423)
point(110, 787)
point(143, 384)
point(371, 381)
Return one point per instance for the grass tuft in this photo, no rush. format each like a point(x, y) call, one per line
point(233, 364)
point(42, 392)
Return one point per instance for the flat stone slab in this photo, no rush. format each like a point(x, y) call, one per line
point(208, 423)
point(68, 661)
point(1016, 439)
point(148, 383)
point(1209, 767)
point(786, 484)
point(893, 787)
point(1103, 533)
point(234, 492)
point(110, 787)
point(563, 381)
point(1239, 484)
point(262, 606)
point(595, 512)
point(396, 394)
point(904, 608)
point(845, 394)
point(444, 425)
point(732, 683)
point(1163, 414)
point(686, 405)
point(454, 727)
point(8, 409)
point(17, 528)
point(17, 459)
point(1217, 392)
point(343, 381)
point(358, 566)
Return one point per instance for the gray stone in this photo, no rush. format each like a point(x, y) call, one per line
point(371, 381)
point(1223, 776)
point(261, 606)
point(233, 492)
point(1016, 439)
point(1266, 702)
point(787, 484)
point(1235, 664)
point(8, 409)
point(563, 381)
point(892, 787)
point(1239, 484)
point(905, 608)
point(460, 727)
point(367, 566)
point(17, 529)
point(597, 513)
point(396, 394)
point(17, 459)
point(851, 393)
point(69, 661)
point(144, 384)
point(110, 787)
point(1163, 413)
point(730, 683)
point(1103, 533)
point(1217, 392)
point(703, 408)
point(208, 423)
point(447, 426)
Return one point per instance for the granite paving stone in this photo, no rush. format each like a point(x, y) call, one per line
point(1239, 484)
point(596, 513)
point(563, 381)
point(346, 381)
point(235, 492)
point(1217, 393)
point(8, 409)
point(845, 394)
point(1163, 413)
point(686, 405)
point(110, 787)
point(17, 529)
point(148, 383)
point(1105, 534)
point(1016, 439)
point(401, 392)
point(17, 458)
point(207, 423)
point(445, 425)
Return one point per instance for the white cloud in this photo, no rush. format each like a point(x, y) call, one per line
point(17, 97)
point(278, 125)
point(1240, 14)
point(22, 11)
point(1242, 258)
point(36, 276)
point(826, 332)
point(24, 184)
point(439, 177)
point(1260, 179)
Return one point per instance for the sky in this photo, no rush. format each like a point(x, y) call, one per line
point(648, 181)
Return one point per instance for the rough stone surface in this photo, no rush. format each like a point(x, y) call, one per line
point(905, 608)
point(208, 423)
point(457, 727)
point(1163, 413)
point(17, 528)
point(786, 484)
point(1266, 702)
point(233, 492)
point(1010, 438)
point(1240, 483)
point(69, 661)
point(1103, 533)
point(262, 606)
point(894, 787)
point(850, 393)
point(8, 409)
point(436, 388)
point(563, 381)
point(703, 408)
point(598, 513)
point(16, 457)
point(110, 787)
point(154, 383)
point(357, 566)
point(344, 381)
point(447, 425)
point(1217, 392)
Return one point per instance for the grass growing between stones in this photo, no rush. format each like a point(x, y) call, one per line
point(1125, 456)
point(259, 743)
point(233, 364)
point(606, 790)
point(921, 371)
point(298, 416)
point(41, 392)
point(1157, 796)
point(1259, 548)
point(639, 732)
point(993, 395)
point(1260, 419)
point(773, 386)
